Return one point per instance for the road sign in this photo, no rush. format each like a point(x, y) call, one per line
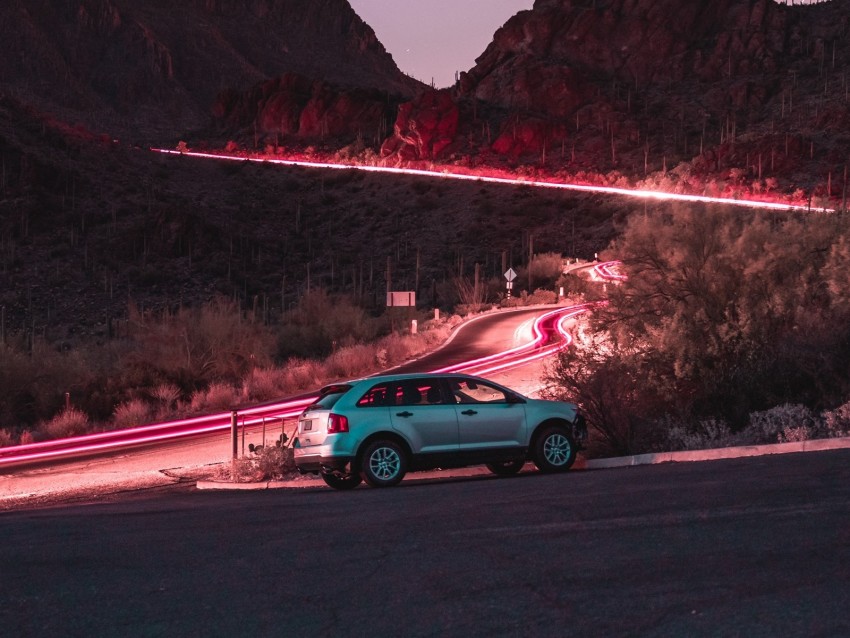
point(401, 298)
point(510, 275)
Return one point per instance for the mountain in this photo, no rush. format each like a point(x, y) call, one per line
point(152, 69)
point(749, 93)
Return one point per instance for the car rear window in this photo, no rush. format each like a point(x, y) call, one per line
point(330, 396)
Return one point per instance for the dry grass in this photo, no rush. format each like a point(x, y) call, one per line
point(69, 422)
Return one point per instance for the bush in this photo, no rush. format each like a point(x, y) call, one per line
point(6, 438)
point(69, 422)
point(541, 296)
point(218, 396)
point(780, 424)
point(321, 323)
point(264, 384)
point(167, 395)
point(837, 422)
point(131, 413)
point(703, 435)
point(266, 463)
point(274, 462)
point(352, 361)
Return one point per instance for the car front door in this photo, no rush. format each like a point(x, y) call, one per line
point(487, 418)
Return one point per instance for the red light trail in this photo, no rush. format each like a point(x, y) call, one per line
point(518, 181)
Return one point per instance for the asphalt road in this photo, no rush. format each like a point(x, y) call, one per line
point(486, 335)
point(746, 547)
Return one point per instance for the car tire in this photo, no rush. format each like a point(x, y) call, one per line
point(506, 468)
point(383, 464)
point(554, 450)
point(347, 482)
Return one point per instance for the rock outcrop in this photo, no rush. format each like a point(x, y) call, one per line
point(296, 106)
point(424, 128)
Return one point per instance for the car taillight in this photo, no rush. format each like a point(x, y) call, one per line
point(337, 423)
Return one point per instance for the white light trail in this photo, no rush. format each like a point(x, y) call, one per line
point(585, 188)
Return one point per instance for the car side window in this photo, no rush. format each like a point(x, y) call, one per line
point(419, 392)
point(470, 391)
point(376, 397)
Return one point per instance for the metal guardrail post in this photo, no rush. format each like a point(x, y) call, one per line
point(234, 440)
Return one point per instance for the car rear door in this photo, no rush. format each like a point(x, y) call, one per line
point(422, 414)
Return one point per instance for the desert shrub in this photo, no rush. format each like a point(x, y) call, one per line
point(702, 435)
point(320, 323)
point(780, 424)
point(195, 346)
point(218, 396)
point(572, 284)
point(541, 296)
point(301, 374)
point(131, 413)
point(263, 384)
point(69, 422)
point(351, 361)
point(166, 395)
point(265, 463)
point(34, 379)
point(7, 438)
point(546, 269)
point(837, 422)
point(275, 461)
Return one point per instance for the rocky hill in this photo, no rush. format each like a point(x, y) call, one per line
point(152, 70)
point(732, 94)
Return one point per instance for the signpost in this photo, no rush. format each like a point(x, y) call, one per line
point(510, 275)
point(402, 298)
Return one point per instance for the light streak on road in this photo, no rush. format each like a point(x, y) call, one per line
point(518, 181)
point(607, 271)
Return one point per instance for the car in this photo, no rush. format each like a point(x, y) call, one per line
point(377, 429)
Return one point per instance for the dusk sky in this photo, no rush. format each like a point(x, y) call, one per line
point(434, 39)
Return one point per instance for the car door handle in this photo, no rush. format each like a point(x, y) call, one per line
point(405, 414)
point(469, 412)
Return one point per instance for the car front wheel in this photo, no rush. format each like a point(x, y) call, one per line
point(347, 482)
point(506, 468)
point(554, 450)
point(383, 464)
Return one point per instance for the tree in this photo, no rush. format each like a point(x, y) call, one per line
point(722, 314)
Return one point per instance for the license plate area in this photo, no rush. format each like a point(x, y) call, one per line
point(307, 425)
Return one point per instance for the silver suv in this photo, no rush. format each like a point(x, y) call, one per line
point(379, 428)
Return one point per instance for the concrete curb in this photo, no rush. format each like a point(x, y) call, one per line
point(690, 456)
point(816, 445)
